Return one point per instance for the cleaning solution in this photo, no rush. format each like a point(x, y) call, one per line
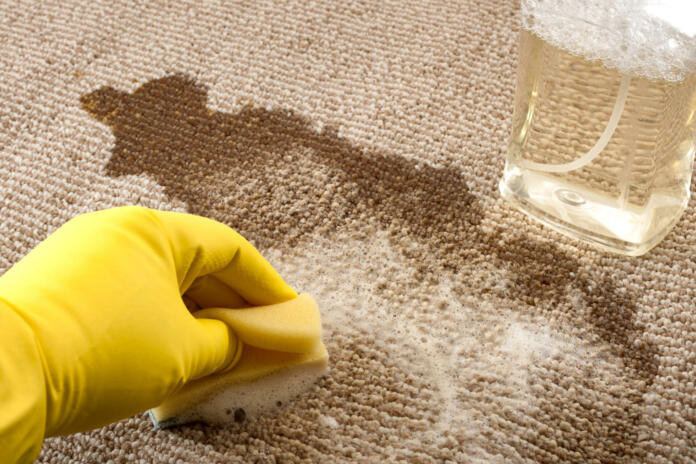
point(602, 143)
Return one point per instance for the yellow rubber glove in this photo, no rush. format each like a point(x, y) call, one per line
point(93, 327)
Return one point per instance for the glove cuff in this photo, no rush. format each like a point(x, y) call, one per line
point(22, 389)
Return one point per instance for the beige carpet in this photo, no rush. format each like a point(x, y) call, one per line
point(358, 144)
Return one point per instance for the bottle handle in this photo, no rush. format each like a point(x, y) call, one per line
point(598, 147)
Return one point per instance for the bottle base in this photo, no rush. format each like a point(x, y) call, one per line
point(582, 217)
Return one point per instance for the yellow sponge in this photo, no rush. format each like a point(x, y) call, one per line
point(279, 355)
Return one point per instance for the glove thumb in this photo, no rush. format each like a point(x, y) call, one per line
point(218, 348)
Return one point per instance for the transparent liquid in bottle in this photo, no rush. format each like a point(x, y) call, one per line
point(636, 132)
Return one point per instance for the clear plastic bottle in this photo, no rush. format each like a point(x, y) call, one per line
point(603, 133)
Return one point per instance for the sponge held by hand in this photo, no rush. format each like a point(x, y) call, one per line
point(282, 355)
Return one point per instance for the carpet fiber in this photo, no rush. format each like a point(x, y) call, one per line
point(358, 145)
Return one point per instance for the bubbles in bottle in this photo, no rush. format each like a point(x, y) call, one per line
point(655, 39)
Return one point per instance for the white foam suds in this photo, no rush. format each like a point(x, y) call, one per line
point(360, 297)
point(524, 344)
point(646, 38)
point(328, 421)
point(234, 403)
point(457, 354)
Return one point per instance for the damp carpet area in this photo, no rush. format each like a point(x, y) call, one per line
point(358, 145)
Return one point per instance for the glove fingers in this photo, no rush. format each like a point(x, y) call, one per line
point(208, 292)
point(202, 246)
point(254, 279)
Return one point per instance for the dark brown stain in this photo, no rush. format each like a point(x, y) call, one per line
point(277, 180)
point(165, 130)
point(543, 276)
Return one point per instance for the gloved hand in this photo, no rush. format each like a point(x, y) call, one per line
point(93, 327)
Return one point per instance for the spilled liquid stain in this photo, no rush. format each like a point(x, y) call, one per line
point(277, 180)
point(280, 179)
